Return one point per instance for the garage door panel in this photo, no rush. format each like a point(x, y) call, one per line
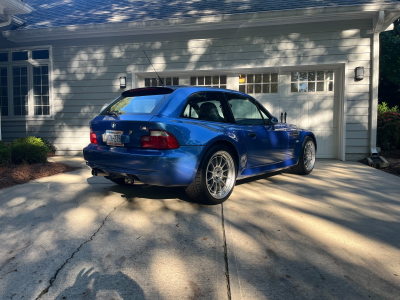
point(321, 118)
point(312, 108)
point(325, 143)
point(297, 112)
point(318, 104)
point(273, 106)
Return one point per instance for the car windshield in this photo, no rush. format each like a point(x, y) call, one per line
point(131, 105)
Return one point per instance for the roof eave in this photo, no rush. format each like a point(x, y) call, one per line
point(15, 7)
point(307, 15)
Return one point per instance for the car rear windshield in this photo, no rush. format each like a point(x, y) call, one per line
point(132, 105)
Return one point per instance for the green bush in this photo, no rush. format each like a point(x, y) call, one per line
point(28, 150)
point(5, 154)
point(51, 148)
point(388, 135)
point(383, 108)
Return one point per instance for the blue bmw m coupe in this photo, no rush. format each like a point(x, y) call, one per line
point(200, 138)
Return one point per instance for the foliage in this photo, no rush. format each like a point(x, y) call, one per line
point(389, 76)
point(388, 130)
point(382, 108)
point(50, 146)
point(5, 154)
point(28, 150)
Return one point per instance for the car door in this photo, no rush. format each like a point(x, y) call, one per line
point(265, 143)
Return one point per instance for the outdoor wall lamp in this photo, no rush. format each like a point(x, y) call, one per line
point(122, 82)
point(359, 73)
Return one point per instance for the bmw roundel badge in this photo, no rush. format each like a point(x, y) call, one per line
point(113, 125)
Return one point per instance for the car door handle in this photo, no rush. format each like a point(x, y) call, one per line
point(252, 135)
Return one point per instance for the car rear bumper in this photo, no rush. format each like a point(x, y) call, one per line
point(157, 167)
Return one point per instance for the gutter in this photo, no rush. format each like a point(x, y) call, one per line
point(296, 16)
point(6, 22)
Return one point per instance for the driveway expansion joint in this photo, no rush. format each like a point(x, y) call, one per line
point(228, 285)
point(46, 290)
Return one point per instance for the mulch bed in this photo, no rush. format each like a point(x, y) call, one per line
point(393, 157)
point(18, 174)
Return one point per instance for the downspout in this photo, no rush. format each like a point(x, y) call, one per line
point(6, 22)
point(373, 116)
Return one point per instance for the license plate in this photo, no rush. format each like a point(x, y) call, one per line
point(113, 138)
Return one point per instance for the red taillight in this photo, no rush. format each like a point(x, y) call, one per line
point(159, 139)
point(93, 137)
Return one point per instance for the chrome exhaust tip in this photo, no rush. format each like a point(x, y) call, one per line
point(96, 172)
point(129, 180)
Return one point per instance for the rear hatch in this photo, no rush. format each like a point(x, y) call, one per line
point(126, 120)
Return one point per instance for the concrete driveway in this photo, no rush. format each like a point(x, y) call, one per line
point(331, 235)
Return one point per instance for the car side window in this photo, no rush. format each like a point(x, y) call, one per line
point(206, 106)
point(244, 110)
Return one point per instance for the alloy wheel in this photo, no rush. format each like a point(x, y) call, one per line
point(220, 174)
point(309, 155)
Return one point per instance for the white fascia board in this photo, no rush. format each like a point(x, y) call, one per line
point(199, 23)
point(389, 19)
point(15, 7)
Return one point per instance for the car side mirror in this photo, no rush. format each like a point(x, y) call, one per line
point(274, 121)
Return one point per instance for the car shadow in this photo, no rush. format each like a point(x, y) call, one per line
point(255, 178)
point(141, 190)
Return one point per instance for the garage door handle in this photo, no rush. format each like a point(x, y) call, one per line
point(252, 135)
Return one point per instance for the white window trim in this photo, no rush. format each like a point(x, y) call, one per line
point(29, 63)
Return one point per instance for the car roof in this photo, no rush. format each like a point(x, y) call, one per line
point(195, 87)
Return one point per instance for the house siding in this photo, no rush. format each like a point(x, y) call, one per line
point(86, 71)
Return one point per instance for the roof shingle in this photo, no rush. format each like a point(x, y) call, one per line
point(55, 13)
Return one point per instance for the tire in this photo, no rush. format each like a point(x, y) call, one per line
point(307, 158)
point(214, 183)
point(120, 180)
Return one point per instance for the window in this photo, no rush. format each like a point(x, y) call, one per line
point(41, 90)
point(258, 83)
point(40, 54)
point(207, 106)
point(209, 81)
point(131, 105)
point(312, 81)
point(25, 83)
point(21, 55)
point(244, 110)
point(3, 91)
point(157, 82)
point(20, 91)
point(3, 56)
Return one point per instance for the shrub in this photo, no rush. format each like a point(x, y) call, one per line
point(5, 154)
point(388, 135)
point(28, 150)
point(51, 148)
point(382, 108)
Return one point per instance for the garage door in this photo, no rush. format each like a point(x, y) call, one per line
point(307, 97)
